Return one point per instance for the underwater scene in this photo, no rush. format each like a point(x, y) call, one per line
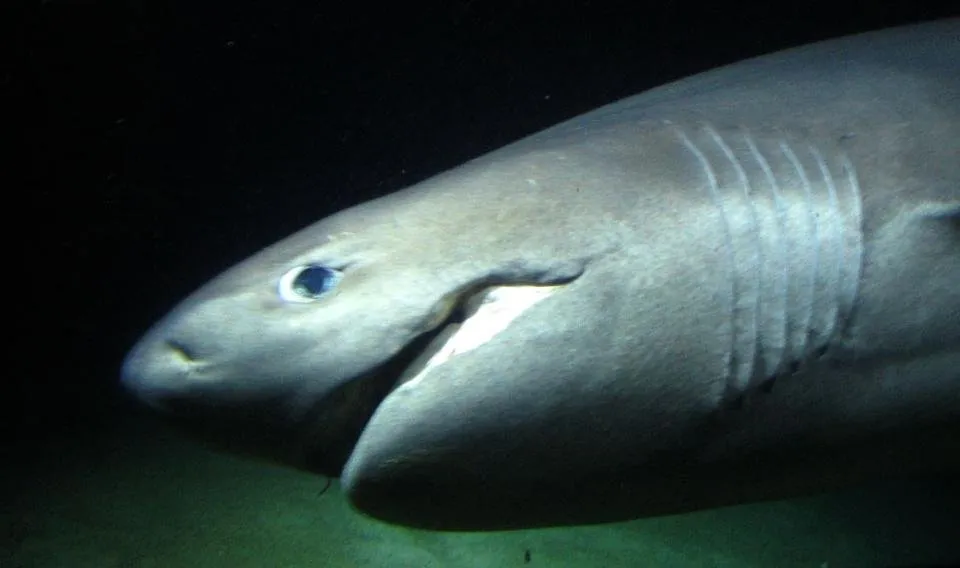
point(539, 284)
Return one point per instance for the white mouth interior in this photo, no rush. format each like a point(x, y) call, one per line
point(495, 310)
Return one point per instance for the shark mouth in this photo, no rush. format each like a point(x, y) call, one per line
point(471, 324)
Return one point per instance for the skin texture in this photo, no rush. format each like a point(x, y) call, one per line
point(737, 287)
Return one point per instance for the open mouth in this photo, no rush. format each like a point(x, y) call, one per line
point(344, 413)
point(475, 320)
point(472, 323)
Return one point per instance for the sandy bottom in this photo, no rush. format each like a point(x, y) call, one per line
point(139, 496)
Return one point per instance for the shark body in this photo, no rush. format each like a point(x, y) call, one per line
point(741, 286)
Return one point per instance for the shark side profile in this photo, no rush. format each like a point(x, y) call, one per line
point(741, 286)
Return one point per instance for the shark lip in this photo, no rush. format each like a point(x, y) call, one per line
point(432, 345)
point(413, 357)
point(473, 322)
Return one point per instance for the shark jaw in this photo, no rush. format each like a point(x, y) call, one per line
point(486, 314)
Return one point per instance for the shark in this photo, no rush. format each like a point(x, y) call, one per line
point(740, 286)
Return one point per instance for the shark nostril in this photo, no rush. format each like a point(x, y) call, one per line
point(181, 350)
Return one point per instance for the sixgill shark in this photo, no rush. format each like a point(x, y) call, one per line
point(741, 286)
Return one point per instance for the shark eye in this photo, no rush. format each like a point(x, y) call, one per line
point(309, 283)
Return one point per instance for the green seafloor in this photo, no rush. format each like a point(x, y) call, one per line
point(140, 496)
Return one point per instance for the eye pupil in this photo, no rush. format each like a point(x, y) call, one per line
point(314, 281)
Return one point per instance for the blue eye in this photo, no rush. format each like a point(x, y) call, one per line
point(308, 283)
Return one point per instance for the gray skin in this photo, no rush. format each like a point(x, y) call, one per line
point(748, 285)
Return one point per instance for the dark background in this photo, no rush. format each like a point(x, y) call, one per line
point(154, 144)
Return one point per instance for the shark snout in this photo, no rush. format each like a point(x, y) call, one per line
point(158, 370)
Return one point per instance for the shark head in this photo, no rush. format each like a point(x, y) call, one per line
point(289, 353)
point(404, 332)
